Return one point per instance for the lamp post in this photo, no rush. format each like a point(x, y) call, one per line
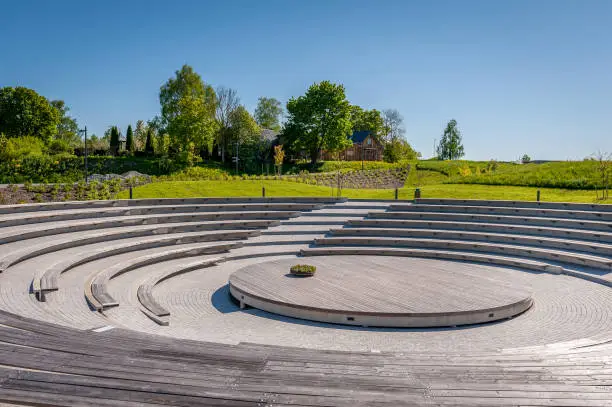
point(84, 131)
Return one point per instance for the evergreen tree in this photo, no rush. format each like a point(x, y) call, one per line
point(114, 140)
point(149, 143)
point(129, 139)
point(450, 147)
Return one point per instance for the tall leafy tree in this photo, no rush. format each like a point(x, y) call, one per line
point(67, 128)
point(227, 102)
point(450, 146)
point(246, 137)
point(23, 112)
point(114, 140)
point(188, 110)
point(268, 113)
point(129, 139)
point(140, 135)
point(321, 119)
point(370, 120)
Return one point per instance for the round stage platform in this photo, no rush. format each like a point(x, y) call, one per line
point(382, 291)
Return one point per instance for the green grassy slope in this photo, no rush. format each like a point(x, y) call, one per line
point(184, 189)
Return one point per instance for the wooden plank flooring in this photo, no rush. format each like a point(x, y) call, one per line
point(377, 284)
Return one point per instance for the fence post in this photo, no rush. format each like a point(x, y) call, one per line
point(538, 195)
point(263, 192)
point(131, 195)
point(396, 193)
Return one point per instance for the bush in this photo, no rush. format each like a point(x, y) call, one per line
point(59, 147)
point(303, 269)
point(19, 147)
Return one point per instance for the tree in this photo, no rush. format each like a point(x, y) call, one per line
point(279, 157)
point(604, 170)
point(129, 139)
point(268, 113)
point(245, 135)
point(367, 120)
point(188, 111)
point(227, 102)
point(393, 125)
point(525, 159)
point(23, 112)
point(114, 140)
point(321, 119)
point(67, 128)
point(140, 135)
point(450, 147)
point(398, 149)
point(149, 149)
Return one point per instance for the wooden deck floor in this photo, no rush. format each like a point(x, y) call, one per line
point(382, 285)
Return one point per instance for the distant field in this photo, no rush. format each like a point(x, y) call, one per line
point(185, 189)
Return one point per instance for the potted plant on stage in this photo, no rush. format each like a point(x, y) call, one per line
point(303, 270)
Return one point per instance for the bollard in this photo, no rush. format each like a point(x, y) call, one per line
point(396, 194)
point(263, 192)
point(131, 195)
point(417, 193)
point(538, 196)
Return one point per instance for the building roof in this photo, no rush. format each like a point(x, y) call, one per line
point(269, 135)
point(360, 136)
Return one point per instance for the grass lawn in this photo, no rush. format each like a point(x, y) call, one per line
point(186, 189)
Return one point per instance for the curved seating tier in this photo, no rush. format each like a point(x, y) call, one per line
point(96, 291)
point(573, 238)
point(115, 259)
point(145, 290)
point(46, 279)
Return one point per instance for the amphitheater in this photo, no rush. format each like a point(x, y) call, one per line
point(187, 302)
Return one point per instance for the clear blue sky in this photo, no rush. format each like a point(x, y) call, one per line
point(519, 76)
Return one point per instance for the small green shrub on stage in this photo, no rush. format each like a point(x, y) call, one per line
point(303, 269)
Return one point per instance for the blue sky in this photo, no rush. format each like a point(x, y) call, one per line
point(520, 77)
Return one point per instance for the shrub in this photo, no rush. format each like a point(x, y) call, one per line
point(303, 269)
point(59, 147)
point(18, 147)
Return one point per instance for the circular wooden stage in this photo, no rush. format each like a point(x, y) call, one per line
point(383, 291)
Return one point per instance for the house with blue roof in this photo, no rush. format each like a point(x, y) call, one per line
point(365, 147)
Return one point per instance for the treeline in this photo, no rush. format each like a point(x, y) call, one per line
point(197, 122)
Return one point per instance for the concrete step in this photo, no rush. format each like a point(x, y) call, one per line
point(29, 248)
point(77, 205)
point(517, 204)
point(24, 232)
point(96, 291)
point(563, 256)
point(145, 290)
point(587, 235)
point(46, 278)
point(506, 219)
point(487, 258)
point(54, 206)
point(243, 210)
point(501, 210)
point(601, 249)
